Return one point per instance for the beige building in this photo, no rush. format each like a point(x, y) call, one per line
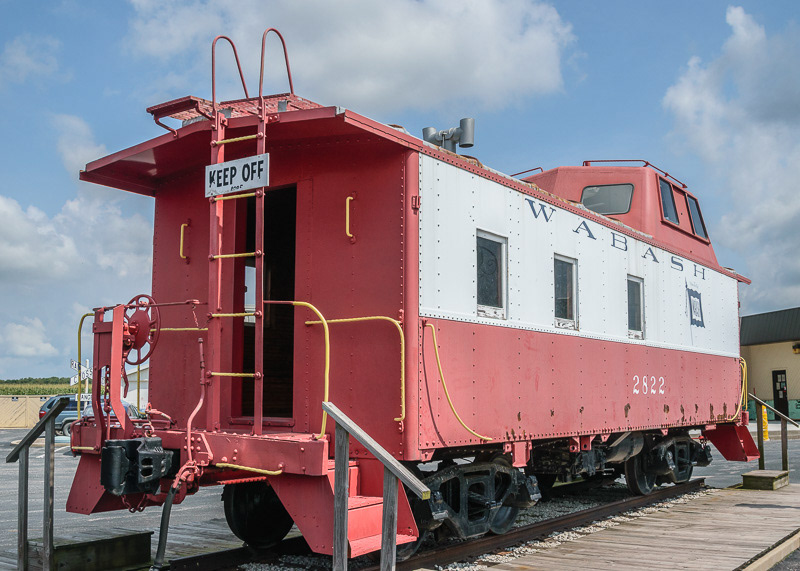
point(771, 346)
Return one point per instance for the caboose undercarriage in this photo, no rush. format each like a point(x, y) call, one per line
point(329, 281)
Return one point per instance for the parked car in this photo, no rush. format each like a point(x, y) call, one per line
point(132, 411)
point(69, 415)
point(66, 417)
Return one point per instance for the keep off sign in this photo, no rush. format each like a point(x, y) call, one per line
point(238, 175)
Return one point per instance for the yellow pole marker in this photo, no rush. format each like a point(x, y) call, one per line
point(765, 423)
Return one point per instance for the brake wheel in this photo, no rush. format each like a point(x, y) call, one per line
point(144, 325)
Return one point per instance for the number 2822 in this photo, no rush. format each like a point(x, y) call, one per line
point(648, 385)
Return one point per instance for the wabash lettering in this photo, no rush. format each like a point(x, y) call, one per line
point(545, 212)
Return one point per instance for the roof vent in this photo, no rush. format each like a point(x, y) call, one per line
point(463, 135)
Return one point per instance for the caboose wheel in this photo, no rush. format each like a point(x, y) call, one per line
point(255, 514)
point(639, 481)
point(504, 516)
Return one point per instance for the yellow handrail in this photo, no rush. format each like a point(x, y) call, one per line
point(399, 327)
point(743, 398)
point(444, 386)
point(347, 216)
point(249, 469)
point(180, 251)
point(327, 352)
point(184, 329)
point(238, 375)
point(240, 255)
point(80, 362)
point(250, 314)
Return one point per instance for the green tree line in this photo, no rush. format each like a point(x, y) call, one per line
point(38, 381)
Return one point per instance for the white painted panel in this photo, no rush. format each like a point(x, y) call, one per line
point(457, 204)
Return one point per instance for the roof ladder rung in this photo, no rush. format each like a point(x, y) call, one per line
point(234, 196)
point(237, 139)
point(255, 254)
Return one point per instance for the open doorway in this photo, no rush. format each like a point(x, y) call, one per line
point(780, 399)
point(280, 209)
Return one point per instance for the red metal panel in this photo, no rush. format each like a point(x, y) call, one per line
point(115, 372)
point(87, 496)
point(521, 385)
point(734, 442)
point(345, 279)
point(174, 366)
point(411, 304)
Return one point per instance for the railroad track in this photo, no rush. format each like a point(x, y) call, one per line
point(489, 543)
point(232, 558)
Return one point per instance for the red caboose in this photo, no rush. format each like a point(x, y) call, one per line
point(304, 253)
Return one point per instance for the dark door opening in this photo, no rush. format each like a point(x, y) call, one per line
point(780, 399)
point(280, 208)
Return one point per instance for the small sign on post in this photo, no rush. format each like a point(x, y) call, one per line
point(84, 372)
point(234, 176)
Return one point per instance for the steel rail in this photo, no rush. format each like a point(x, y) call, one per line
point(461, 551)
point(229, 558)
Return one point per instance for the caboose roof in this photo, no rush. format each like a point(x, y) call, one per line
point(143, 168)
point(149, 166)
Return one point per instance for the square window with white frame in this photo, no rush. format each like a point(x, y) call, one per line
point(492, 267)
point(565, 278)
point(635, 307)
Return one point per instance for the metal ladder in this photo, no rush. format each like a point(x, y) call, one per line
point(216, 246)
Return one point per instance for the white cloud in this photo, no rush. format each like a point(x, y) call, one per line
point(32, 248)
point(379, 56)
point(28, 339)
point(95, 250)
point(741, 114)
point(28, 56)
point(75, 143)
point(89, 234)
point(108, 239)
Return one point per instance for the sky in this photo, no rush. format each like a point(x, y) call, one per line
point(708, 91)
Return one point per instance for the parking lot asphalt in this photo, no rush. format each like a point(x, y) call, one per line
point(203, 506)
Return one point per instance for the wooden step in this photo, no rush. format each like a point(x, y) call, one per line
point(355, 502)
point(91, 550)
point(765, 479)
point(364, 517)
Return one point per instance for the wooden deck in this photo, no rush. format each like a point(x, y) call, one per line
point(183, 540)
point(726, 529)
